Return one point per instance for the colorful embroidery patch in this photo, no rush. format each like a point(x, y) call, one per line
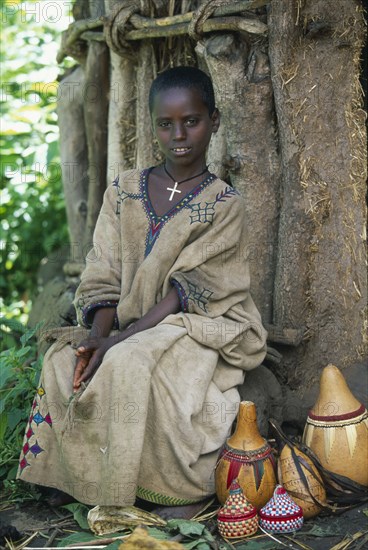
point(48, 420)
point(36, 449)
point(226, 193)
point(202, 214)
point(205, 212)
point(23, 463)
point(123, 195)
point(157, 498)
point(29, 433)
point(199, 297)
point(182, 296)
point(36, 419)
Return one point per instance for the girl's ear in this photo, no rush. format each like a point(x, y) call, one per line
point(215, 117)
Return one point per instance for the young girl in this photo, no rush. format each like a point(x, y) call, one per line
point(150, 399)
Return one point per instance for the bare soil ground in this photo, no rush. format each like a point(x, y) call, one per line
point(50, 526)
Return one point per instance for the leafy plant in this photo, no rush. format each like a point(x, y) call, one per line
point(80, 512)
point(20, 368)
point(32, 205)
point(195, 535)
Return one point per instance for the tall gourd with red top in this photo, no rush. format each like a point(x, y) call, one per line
point(247, 457)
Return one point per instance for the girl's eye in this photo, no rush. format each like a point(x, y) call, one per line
point(164, 124)
point(191, 122)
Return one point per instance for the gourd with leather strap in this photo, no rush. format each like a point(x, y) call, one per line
point(298, 475)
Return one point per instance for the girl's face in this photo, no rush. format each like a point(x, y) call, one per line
point(183, 127)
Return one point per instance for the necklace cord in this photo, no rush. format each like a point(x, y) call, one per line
point(188, 179)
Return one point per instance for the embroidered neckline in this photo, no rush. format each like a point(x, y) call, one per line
point(178, 206)
point(156, 222)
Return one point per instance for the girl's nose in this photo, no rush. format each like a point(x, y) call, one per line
point(179, 131)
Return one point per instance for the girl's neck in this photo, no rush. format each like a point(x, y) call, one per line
point(180, 173)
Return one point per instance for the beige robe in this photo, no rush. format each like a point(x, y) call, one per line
point(151, 421)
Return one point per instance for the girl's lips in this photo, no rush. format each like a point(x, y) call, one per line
point(180, 151)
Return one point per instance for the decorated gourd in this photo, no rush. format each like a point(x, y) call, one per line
point(281, 514)
point(247, 457)
point(298, 475)
point(238, 518)
point(337, 428)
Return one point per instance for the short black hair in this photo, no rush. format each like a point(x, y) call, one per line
point(184, 77)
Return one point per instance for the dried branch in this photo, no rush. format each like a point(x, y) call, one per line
point(175, 25)
point(239, 24)
point(232, 8)
point(73, 34)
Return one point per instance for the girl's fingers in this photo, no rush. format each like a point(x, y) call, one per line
point(84, 350)
point(81, 365)
point(88, 371)
point(86, 347)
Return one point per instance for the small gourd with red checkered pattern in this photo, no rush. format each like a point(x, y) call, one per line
point(281, 514)
point(238, 517)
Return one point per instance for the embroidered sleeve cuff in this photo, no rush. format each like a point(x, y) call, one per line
point(194, 297)
point(182, 296)
point(88, 312)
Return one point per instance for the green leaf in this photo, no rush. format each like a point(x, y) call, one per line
point(158, 534)
point(28, 335)
point(15, 417)
point(6, 373)
point(83, 536)
point(52, 151)
point(77, 537)
point(80, 512)
point(186, 527)
point(8, 395)
point(12, 472)
point(3, 424)
point(199, 544)
point(23, 351)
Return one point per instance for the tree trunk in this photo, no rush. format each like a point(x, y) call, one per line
point(121, 138)
point(74, 162)
point(96, 114)
point(145, 75)
point(240, 72)
point(320, 281)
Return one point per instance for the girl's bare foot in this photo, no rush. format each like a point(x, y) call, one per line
point(58, 498)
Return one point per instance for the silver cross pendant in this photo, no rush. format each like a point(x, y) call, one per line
point(173, 190)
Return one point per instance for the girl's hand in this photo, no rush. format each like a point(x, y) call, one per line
point(90, 354)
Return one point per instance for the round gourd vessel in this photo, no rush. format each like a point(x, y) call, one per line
point(298, 475)
point(247, 457)
point(290, 478)
point(337, 428)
